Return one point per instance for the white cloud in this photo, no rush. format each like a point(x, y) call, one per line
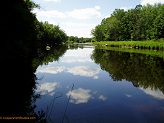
point(52, 0)
point(52, 70)
point(84, 71)
point(85, 25)
point(75, 25)
point(87, 13)
point(155, 93)
point(79, 96)
point(47, 88)
point(144, 2)
point(49, 14)
point(97, 7)
point(77, 60)
point(101, 97)
point(78, 28)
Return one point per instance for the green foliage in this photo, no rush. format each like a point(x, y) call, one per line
point(159, 53)
point(75, 39)
point(141, 23)
point(18, 27)
point(22, 33)
point(155, 45)
point(98, 33)
point(51, 34)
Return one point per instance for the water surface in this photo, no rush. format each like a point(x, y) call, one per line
point(88, 85)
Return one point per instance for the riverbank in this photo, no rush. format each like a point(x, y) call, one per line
point(158, 53)
point(154, 45)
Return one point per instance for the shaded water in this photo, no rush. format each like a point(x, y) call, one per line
point(88, 85)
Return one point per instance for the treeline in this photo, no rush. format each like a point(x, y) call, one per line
point(75, 39)
point(22, 33)
point(141, 23)
point(50, 34)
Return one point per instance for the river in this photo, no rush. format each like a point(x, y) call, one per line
point(88, 85)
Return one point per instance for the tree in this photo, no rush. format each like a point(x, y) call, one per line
point(159, 22)
point(19, 27)
point(141, 23)
point(98, 33)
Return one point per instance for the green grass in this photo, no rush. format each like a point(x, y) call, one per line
point(155, 45)
point(159, 53)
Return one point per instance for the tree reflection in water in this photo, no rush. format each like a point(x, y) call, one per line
point(144, 71)
point(18, 84)
point(17, 88)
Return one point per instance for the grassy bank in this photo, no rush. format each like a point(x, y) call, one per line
point(159, 53)
point(154, 45)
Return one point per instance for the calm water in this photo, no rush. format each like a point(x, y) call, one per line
point(88, 85)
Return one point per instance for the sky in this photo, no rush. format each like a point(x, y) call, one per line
point(79, 17)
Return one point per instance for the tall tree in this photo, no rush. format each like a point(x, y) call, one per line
point(18, 27)
point(141, 23)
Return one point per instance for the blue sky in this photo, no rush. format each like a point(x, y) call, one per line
point(79, 17)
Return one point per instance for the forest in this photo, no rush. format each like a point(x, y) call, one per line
point(22, 33)
point(137, 24)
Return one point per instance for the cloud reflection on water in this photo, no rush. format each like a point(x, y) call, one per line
point(102, 97)
point(76, 60)
point(84, 71)
point(47, 88)
point(79, 53)
point(79, 96)
point(77, 70)
point(155, 93)
point(52, 70)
